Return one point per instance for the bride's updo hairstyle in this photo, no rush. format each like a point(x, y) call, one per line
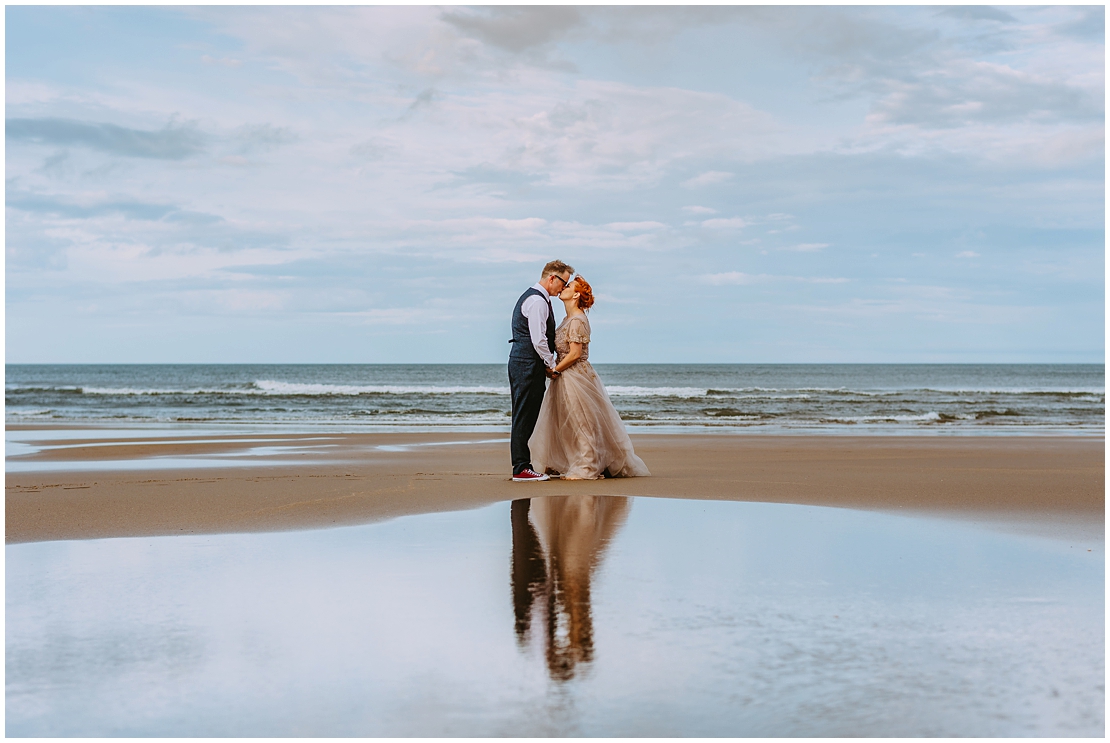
point(585, 293)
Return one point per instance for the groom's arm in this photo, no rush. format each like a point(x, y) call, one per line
point(535, 309)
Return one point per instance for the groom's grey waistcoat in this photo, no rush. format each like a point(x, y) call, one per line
point(522, 338)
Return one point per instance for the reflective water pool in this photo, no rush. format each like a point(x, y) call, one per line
point(573, 615)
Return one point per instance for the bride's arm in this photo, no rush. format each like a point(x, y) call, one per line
point(571, 356)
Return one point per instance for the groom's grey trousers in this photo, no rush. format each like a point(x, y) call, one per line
point(527, 381)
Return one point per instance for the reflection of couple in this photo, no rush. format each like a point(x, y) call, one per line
point(555, 553)
point(573, 429)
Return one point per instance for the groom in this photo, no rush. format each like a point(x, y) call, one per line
point(531, 361)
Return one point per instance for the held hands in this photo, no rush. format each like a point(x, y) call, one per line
point(551, 373)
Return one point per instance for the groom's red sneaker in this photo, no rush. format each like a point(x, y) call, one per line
point(529, 476)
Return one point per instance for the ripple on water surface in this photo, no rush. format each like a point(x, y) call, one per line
point(573, 615)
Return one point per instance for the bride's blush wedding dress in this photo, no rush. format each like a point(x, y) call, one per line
point(579, 433)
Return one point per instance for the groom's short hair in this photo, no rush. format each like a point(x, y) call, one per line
point(555, 267)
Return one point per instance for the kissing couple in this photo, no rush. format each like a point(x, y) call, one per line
point(570, 428)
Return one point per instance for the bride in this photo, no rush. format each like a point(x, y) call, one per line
point(579, 432)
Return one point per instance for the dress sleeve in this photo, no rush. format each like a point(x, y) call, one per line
point(578, 331)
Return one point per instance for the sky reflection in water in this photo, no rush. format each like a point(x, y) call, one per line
point(563, 615)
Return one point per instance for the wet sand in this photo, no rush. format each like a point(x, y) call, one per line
point(219, 483)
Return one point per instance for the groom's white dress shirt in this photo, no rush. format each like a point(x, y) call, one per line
point(537, 309)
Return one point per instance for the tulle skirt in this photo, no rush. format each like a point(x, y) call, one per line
point(579, 433)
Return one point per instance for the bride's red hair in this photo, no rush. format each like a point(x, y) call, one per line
point(585, 293)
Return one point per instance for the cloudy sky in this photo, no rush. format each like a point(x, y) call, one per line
point(745, 184)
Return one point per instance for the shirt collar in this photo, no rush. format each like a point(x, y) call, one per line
point(538, 286)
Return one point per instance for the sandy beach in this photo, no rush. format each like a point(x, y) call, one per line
point(721, 600)
point(1052, 485)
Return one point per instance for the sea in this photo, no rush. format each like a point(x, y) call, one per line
point(756, 398)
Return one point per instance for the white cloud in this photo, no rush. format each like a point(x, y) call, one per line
point(24, 92)
point(806, 247)
point(932, 304)
point(507, 255)
point(734, 223)
point(731, 277)
point(610, 134)
point(238, 301)
point(635, 226)
point(739, 278)
point(222, 61)
point(515, 227)
point(399, 316)
point(708, 178)
point(963, 91)
point(516, 29)
point(699, 210)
